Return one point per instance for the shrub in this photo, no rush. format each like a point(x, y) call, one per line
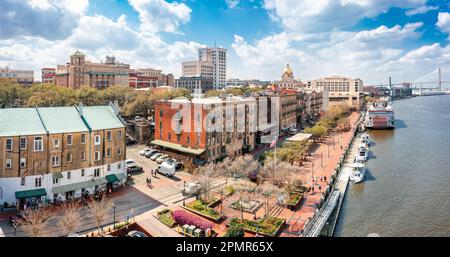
point(236, 230)
point(182, 218)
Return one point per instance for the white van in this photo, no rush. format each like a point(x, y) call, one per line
point(166, 169)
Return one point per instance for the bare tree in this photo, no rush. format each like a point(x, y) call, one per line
point(267, 190)
point(70, 216)
point(35, 221)
point(243, 167)
point(98, 210)
point(204, 175)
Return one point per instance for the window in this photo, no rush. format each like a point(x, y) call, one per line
point(9, 144)
point(23, 162)
point(69, 139)
point(108, 167)
point(38, 144)
point(178, 137)
point(96, 173)
point(56, 143)
point(97, 140)
point(169, 136)
point(69, 158)
point(108, 152)
point(55, 161)
point(23, 143)
point(108, 135)
point(38, 182)
point(55, 180)
point(83, 156)
point(97, 156)
point(8, 164)
point(119, 134)
point(68, 175)
point(119, 166)
point(82, 172)
point(83, 138)
point(22, 181)
point(188, 139)
point(119, 151)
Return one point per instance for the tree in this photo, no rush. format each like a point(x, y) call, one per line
point(11, 93)
point(139, 106)
point(89, 96)
point(69, 216)
point(204, 175)
point(35, 221)
point(243, 167)
point(121, 94)
point(98, 210)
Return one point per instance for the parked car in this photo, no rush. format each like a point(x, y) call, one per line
point(130, 141)
point(136, 233)
point(166, 169)
point(132, 167)
point(192, 188)
point(143, 152)
point(161, 158)
point(155, 156)
point(293, 131)
point(150, 153)
point(178, 166)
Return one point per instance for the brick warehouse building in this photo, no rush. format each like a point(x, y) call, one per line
point(189, 133)
point(59, 153)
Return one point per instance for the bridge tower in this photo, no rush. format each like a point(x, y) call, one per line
point(440, 80)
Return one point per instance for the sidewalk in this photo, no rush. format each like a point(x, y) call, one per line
point(155, 227)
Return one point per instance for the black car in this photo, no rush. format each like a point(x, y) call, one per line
point(131, 141)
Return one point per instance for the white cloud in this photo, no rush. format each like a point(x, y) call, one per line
point(421, 10)
point(356, 54)
point(324, 15)
point(232, 3)
point(51, 19)
point(158, 15)
point(443, 22)
point(98, 36)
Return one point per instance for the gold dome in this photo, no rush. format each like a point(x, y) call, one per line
point(287, 72)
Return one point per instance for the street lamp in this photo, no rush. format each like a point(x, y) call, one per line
point(221, 201)
point(15, 228)
point(328, 150)
point(321, 160)
point(184, 193)
point(114, 215)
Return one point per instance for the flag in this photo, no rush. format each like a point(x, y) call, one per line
point(273, 143)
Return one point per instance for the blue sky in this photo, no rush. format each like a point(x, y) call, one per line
point(370, 39)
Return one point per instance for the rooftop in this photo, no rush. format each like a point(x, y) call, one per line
point(101, 117)
point(20, 121)
point(62, 119)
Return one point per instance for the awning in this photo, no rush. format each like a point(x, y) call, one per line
point(122, 177)
point(57, 175)
point(300, 137)
point(79, 185)
point(31, 193)
point(178, 147)
point(72, 187)
point(112, 178)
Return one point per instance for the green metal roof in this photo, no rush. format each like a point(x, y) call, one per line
point(79, 185)
point(178, 147)
point(62, 119)
point(31, 193)
point(20, 121)
point(101, 117)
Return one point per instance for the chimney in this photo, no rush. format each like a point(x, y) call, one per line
point(80, 108)
point(116, 107)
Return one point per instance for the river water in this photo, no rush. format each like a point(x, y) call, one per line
point(406, 191)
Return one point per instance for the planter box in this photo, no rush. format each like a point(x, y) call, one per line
point(294, 205)
point(211, 218)
point(253, 231)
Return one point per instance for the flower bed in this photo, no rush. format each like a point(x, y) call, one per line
point(198, 207)
point(294, 200)
point(165, 216)
point(182, 217)
point(269, 226)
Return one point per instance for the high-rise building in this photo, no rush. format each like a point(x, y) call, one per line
point(340, 90)
point(23, 77)
point(218, 57)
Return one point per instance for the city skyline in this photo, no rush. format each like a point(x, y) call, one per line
point(402, 39)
